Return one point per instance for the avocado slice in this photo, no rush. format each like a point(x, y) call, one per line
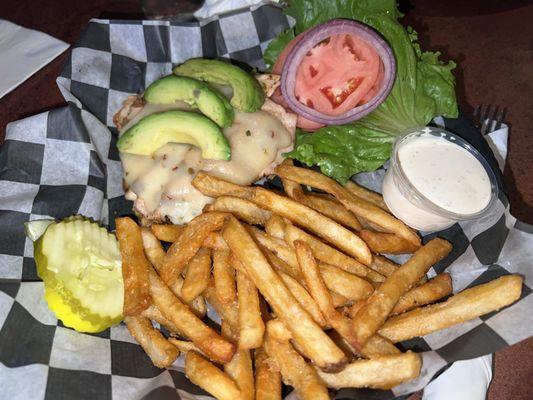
point(154, 131)
point(248, 96)
point(196, 93)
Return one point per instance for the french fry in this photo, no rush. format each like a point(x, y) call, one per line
point(380, 242)
point(224, 276)
point(329, 255)
point(240, 369)
point(358, 206)
point(215, 241)
point(324, 205)
point(153, 313)
point(294, 370)
point(243, 209)
point(280, 265)
point(304, 298)
point(267, 378)
point(378, 307)
point(435, 289)
point(277, 246)
point(166, 233)
point(152, 248)
point(320, 293)
point(197, 305)
point(185, 346)
point(159, 349)
point(463, 306)
point(203, 373)
point(134, 267)
point(188, 243)
point(251, 325)
point(290, 209)
point(382, 372)
point(275, 226)
point(331, 208)
point(368, 195)
point(228, 312)
point(383, 265)
point(348, 285)
point(339, 300)
point(305, 331)
point(197, 276)
point(211, 343)
point(377, 346)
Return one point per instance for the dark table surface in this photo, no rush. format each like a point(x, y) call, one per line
point(492, 41)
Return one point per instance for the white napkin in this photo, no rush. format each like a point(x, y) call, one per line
point(213, 7)
point(23, 52)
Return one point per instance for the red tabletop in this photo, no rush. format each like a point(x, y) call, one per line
point(489, 39)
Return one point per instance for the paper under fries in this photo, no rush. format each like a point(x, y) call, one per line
point(134, 267)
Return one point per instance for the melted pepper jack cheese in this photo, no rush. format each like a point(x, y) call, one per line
point(160, 185)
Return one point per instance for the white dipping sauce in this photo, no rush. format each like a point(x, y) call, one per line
point(446, 174)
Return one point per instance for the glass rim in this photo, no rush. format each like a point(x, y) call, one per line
point(420, 198)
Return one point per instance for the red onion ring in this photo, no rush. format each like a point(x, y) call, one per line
point(319, 33)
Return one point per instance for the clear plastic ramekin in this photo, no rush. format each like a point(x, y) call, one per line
point(407, 203)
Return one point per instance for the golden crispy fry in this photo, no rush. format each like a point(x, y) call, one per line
point(203, 373)
point(435, 289)
point(320, 293)
point(383, 265)
point(348, 285)
point(185, 346)
point(166, 233)
point(305, 331)
point(188, 243)
point(360, 207)
point(279, 265)
point(243, 209)
point(464, 306)
point(290, 209)
point(159, 349)
point(389, 243)
point(382, 372)
point(197, 276)
point(277, 246)
point(275, 226)
point(228, 312)
point(304, 298)
point(278, 330)
point(215, 241)
point(224, 276)
point(251, 325)
point(152, 248)
point(267, 378)
point(339, 300)
point(153, 313)
point(333, 209)
point(378, 346)
point(324, 205)
point(378, 307)
point(240, 369)
point(197, 306)
point(211, 343)
point(134, 267)
point(368, 195)
point(294, 370)
point(328, 254)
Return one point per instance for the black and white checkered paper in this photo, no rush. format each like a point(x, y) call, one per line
point(65, 162)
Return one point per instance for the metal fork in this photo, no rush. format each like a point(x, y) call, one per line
point(489, 118)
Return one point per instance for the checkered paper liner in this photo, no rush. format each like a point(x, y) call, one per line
point(65, 162)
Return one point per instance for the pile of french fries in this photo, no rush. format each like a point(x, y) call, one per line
point(296, 280)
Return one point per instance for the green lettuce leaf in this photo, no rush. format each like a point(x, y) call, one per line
point(424, 88)
point(276, 46)
point(362, 150)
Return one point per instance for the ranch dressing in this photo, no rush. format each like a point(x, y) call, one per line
point(435, 181)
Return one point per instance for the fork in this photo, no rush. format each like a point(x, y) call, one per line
point(489, 118)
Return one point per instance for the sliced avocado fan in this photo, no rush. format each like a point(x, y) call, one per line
point(154, 131)
point(248, 96)
point(196, 93)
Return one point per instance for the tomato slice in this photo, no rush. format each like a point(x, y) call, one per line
point(336, 74)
